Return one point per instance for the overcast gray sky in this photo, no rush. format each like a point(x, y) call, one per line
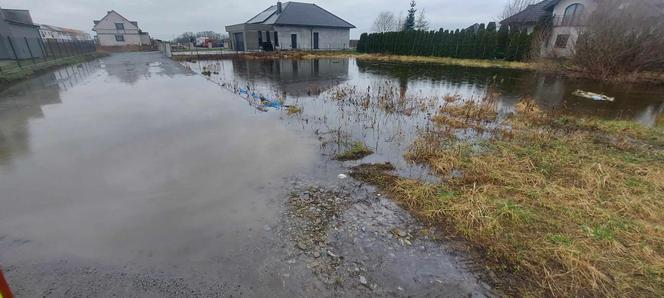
point(165, 19)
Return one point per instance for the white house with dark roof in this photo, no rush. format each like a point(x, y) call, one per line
point(529, 17)
point(114, 30)
point(566, 20)
point(291, 26)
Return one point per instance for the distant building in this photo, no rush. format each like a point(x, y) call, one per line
point(54, 32)
point(16, 25)
point(114, 30)
point(568, 20)
point(565, 19)
point(529, 17)
point(291, 26)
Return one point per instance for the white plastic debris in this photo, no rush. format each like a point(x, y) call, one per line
point(593, 96)
point(363, 280)
point(342, 176)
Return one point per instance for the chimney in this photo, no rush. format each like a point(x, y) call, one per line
point(279, 7)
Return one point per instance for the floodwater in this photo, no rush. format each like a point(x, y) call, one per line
point(134, 175)
point(386, 105)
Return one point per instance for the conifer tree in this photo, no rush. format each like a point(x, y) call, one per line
point(490, 41)
point(502, 41)
point(409, 24)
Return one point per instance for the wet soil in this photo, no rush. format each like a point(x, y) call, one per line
point(359, 242)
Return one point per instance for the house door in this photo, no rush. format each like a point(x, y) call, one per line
point(239, 41)
point(315, 40)
point(293, 41)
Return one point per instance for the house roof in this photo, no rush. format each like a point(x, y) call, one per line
point(115, 12)
point(299, 14)
point(61, 29)
point(532, 14)
point(18, 16)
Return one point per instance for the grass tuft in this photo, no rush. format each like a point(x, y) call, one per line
point(357, 151)
point(293, 109)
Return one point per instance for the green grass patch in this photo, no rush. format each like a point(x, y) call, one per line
point(356, 151)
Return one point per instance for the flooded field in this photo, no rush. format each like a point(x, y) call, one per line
point(385, 105)
point(134, 175)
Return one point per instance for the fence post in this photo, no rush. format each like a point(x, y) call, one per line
point(43, 49)
point(57, 43)
point(27, 43)
point(11, 45)
point(67, 48)
point(49, 44)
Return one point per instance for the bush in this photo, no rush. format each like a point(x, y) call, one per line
point(622, 38)
point(477, 42)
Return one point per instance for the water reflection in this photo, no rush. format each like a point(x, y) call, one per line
point(386, 105)
point(169, 174)
point(281, 77)
point(123, 67)
point(638, 102)
point(25, 101)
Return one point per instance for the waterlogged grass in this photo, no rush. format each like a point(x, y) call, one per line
point(392, 58)
point(564, 206)
point(293, 110)
point(28, 69)
point(356, 151)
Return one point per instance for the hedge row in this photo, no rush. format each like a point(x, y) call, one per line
point(476, 42)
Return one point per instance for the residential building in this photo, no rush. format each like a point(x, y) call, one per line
point(529, 17)
point(568, 21)
point(19, 36)
point(291, 26)
point(564, 21)
point(116, 31)
point(60, 33)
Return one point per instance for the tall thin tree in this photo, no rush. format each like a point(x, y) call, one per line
point(409, 24)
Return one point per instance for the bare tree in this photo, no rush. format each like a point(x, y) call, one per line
point(622, 38)
point(385, 22)
point(515, 6)
point(400, 21)
point(421, 23)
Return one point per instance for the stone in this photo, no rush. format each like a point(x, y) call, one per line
point(301, 245)
point(363, 280)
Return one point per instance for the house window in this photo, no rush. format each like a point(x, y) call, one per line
point(119, 26)
point(260, 38)
point(276, 39)
point(267, 36)
point(561, 41)
point(119, 37)
point(573, 15)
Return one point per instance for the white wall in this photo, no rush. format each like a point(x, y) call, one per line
point(328, 38)
point(145, 39)
point(106, 31)
point(550, 49)
point(108, 40)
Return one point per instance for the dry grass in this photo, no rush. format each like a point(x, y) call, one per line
point(293, 109)
point(392, 58)
point(565, 206)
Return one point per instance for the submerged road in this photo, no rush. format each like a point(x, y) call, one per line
point(133, 176)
